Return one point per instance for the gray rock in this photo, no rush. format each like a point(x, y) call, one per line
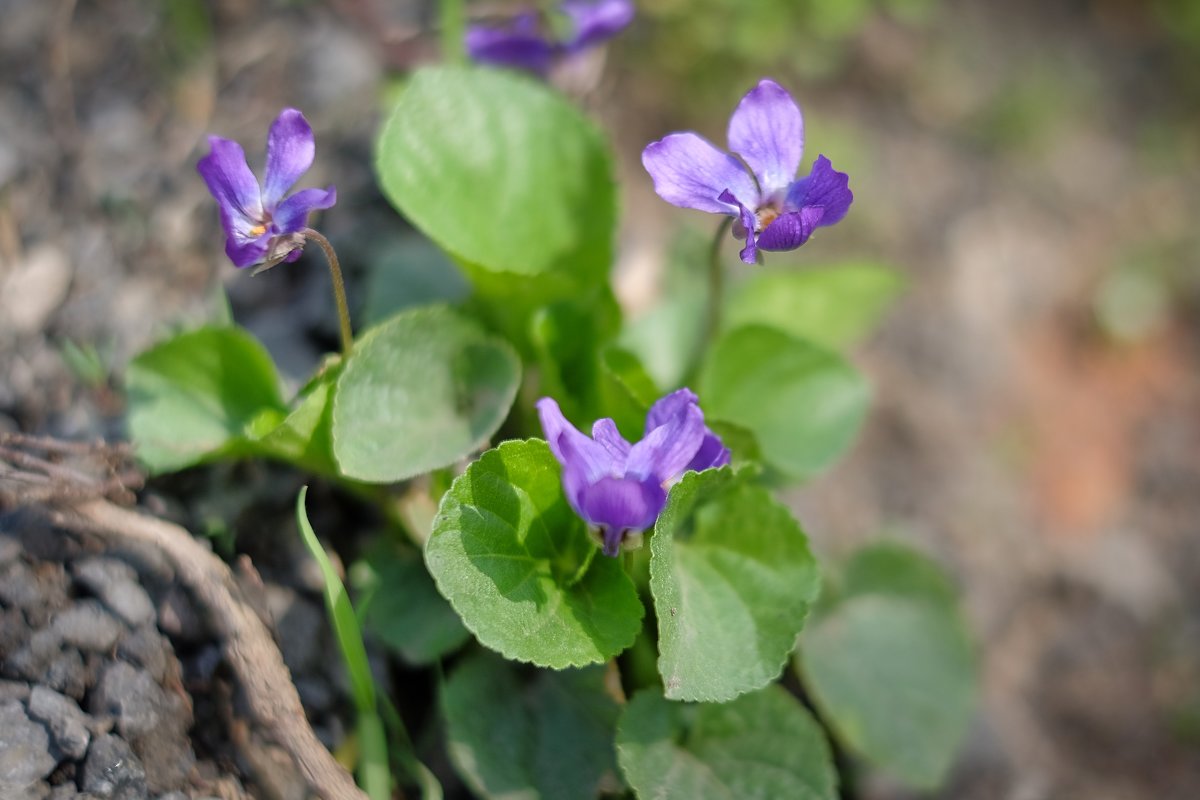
point(13, 690)
point(88, 626)
point(116, 584)
point(14, 631)
point(32, 660)
point(131, 697)
point(24, 751)
point(67, 673)
point(111, 770)
point(37, 593)
point(148, 649)
point(65, 720)
point(10, 549)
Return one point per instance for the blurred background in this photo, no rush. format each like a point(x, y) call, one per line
point(1032, 169)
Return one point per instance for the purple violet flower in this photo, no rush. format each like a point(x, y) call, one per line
point(261, 225)
point(755, 183)
point(523, 42)
point(620, 488)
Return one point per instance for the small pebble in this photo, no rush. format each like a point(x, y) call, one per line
point(148, 649)
point(111, 769)
point(24, 750)
point(65, 720)
point(131, 697)
point(88, 626)
point(116, 584)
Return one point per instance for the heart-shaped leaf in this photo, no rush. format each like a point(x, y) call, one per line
point(517, 564)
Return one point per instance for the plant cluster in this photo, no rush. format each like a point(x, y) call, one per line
point(637, 593)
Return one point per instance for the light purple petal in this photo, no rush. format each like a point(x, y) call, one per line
point(767, 130)
point(690, 172)
point(622, 504)
point(520, 44)
point(292, 214)
point(748, 221)
point(577, 453)
point(824, 188)
point(667, 450)
point(290, 151)
point(669, 407)
point(596, 21)
point(790, 230)
point(233, 185)
point(605, 432)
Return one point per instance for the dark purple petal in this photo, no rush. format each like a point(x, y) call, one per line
point(612, 538)
point(233, 185)
point(747, 220)
point(767, 130)
point(519, 44)
point(605, 432)
point(622, 503)
point(790, 230)
point(824, 188)
point(667, 450)
point(690, 172)
point(290, 151)
point(247, 252)
point(596, 21)
point(669, 407)
point(712, 453)
point(574, 450)
point(292, 214)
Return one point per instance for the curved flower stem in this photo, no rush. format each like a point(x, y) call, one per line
point(339, 288)
point(716, 287)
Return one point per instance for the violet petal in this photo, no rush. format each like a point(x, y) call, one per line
point(668, 407)
point(233, 185)
point(596, 21)
point(690, 172)
point(746, 218)
point(573, 449)
point(247, 252)
point(518, 44)
point(667, 450)
point(622, 503)
point(605, 432)
point(825, 188)
point(290, 151)
point(292, 214)
point(767, 130)
point(790, 230)
point(712, 453)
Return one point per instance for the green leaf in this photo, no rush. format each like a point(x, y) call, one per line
point(762, 746)
point(891, 666)
point(732, 579)
point(303, 436)
point(410, 271)
point(374, 774)
point(548, 738)
point(803, 403)
point(501, 171)
point(419, 392)
point(517, 564)
point(192, 396)
point(404, 608)
point(626, 392)
point(833, 306)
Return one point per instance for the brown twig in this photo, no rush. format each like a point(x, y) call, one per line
point(248, 645)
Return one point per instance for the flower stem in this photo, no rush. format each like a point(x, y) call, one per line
point(453, 26)
point(716, 286)
point(339, 289)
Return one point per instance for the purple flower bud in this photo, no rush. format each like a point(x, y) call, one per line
point(261, 225)
point(757, 184)
point(620, 488)
point(523, 42)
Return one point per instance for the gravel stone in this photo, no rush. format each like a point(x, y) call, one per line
point(148, 649)
point(131, 697)
point(67, 674)
point(14, 630)
point(116, 584)
point(24, 751)
point(111, 770)
point(65, 720)
point(10, 549)
point(13, 690)
point(88, 626)
point(37, 593)
point(31, 661)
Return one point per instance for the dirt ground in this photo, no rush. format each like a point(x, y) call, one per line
point(1030, 167)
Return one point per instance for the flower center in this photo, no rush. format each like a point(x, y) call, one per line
point(258, 230)
point(765, 216)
